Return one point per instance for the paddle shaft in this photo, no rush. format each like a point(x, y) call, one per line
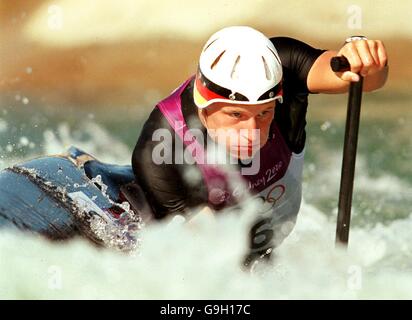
point(349, 152)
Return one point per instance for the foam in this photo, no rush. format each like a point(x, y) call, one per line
point(201, 260)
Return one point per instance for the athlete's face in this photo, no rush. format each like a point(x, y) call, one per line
point(243, 128)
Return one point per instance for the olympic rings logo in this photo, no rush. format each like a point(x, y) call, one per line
point(272, 197)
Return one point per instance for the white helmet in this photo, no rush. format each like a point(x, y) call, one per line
point(238, 65)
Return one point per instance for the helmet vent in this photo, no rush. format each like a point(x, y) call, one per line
point(217, 60)
point(276, 57)
point(233, 73)
point(209, 44)
point(267, 71)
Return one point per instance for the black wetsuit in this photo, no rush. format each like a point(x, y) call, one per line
point(164, 185)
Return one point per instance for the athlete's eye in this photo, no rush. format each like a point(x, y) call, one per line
point(264, 113)
point(236, 115)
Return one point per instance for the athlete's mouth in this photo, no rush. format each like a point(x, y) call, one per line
point(247, 151)
point(249, 146)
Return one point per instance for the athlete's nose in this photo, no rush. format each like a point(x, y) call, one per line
point(251, 123)
point(251, 131)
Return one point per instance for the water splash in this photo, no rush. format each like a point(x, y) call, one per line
point(124, 233)
point(189, 261)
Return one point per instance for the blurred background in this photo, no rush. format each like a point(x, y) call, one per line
point(109, 53)
point(88, 73)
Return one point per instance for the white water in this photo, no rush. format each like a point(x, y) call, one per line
point(201, 260)
point(97, 143)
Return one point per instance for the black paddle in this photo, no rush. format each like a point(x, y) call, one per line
point(341, 64)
